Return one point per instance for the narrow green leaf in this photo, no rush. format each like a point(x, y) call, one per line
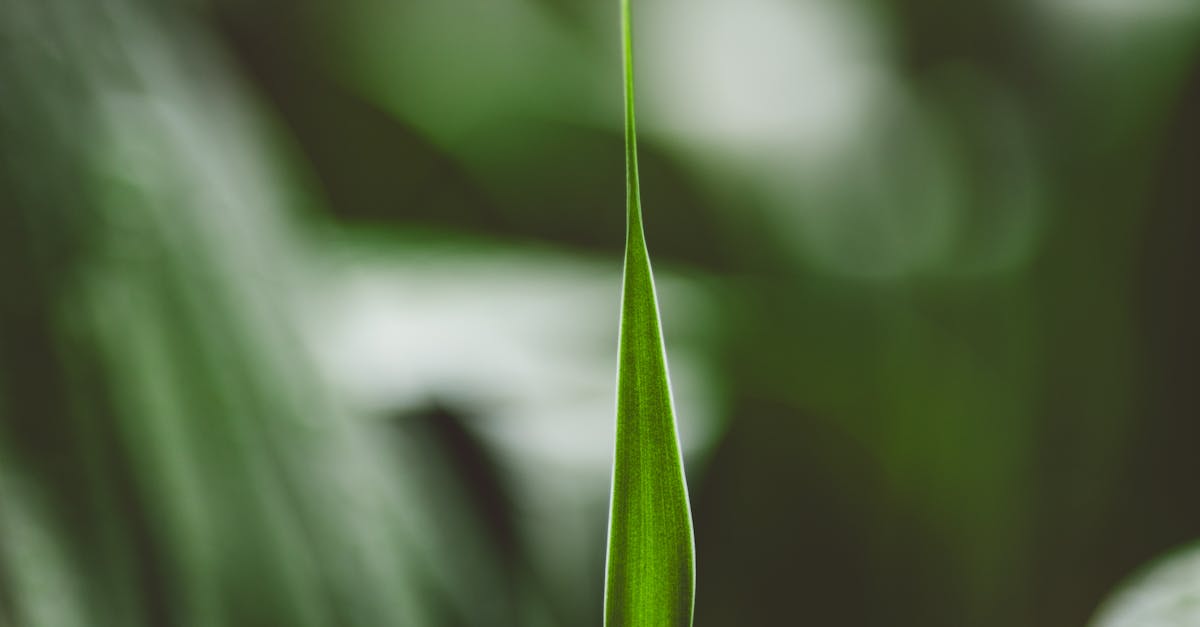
point(651, 568)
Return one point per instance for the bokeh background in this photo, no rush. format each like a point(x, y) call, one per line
point(308, 309)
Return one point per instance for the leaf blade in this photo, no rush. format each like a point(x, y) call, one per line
point(651, 556)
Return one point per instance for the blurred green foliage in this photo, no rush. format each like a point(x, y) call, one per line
point(942, 307)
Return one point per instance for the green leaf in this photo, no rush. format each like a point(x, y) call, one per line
point(651, 567)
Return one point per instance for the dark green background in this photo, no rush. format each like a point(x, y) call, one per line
point(957, 362)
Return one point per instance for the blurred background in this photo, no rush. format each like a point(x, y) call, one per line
point(308, 309)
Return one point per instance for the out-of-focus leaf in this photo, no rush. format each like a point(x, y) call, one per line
point(1164, 594)
point(651, 567)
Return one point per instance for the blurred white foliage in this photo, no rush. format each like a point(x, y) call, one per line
point(754, 75)
point(524, 340)
point(1166, 595)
